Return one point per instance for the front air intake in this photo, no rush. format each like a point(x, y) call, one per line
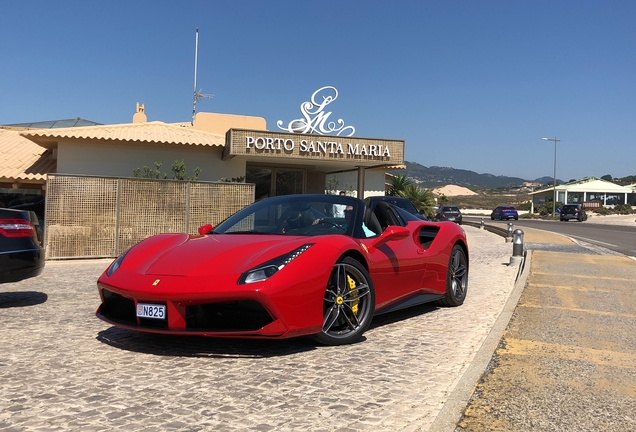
point(242, 315)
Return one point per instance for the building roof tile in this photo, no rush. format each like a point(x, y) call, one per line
point(151, 132)
point(22, 159)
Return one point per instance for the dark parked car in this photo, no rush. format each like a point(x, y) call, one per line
point(448, 213)
point(21, 253)
point(504, 212)
point(400, 202)
point(573, 211)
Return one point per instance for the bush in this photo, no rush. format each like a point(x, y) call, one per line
point(623, 209)
point(545, 209)
point(603, 211)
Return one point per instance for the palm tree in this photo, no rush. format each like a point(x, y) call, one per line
point(421, 198)
point(398, 184)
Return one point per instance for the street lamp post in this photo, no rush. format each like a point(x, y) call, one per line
point(554, 199)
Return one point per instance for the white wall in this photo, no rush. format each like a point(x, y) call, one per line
point(119, 160)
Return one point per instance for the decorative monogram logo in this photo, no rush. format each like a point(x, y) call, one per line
point(315, 119)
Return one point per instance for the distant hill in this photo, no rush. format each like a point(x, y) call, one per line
point(435, 176)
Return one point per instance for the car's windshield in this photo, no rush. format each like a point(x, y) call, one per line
point(296, 215)
point(406, 205)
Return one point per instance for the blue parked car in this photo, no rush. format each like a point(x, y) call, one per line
point(504, 212)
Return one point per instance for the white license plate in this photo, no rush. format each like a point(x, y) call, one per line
point(154, 311)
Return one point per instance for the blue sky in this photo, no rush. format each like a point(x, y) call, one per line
point(468, 84)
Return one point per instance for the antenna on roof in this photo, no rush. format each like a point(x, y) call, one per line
point(197, 93)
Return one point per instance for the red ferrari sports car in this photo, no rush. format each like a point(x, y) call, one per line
point(294, 265)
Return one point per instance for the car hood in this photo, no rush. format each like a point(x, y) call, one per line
point(184, 255)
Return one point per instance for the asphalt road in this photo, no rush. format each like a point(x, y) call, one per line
point(618, 238)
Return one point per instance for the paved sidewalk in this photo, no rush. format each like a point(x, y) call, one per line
point(63, 369)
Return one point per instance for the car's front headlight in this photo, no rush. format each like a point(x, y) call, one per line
point(115, 265)
point(268, 269)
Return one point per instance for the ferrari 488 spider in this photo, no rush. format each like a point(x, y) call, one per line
point(294, 265)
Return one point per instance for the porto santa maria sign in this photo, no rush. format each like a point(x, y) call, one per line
point(315, 120)
point(319, 147)
point(302, 137)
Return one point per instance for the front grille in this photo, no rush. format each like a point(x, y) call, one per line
point(118, 308)
point(243, 315)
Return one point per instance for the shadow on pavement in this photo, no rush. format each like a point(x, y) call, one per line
point(21, 299)
point(402, 314)
point(200, 346)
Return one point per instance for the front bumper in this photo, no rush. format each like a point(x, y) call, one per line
point(259, 310)
point(20, 265)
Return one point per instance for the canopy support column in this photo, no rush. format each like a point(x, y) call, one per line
point(361, 172)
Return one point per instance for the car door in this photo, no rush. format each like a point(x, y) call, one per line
point(397, 267)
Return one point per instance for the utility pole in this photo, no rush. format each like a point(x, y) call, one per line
point(554, 199)
point(197, 94)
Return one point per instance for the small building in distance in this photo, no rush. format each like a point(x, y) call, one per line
point(589, 191)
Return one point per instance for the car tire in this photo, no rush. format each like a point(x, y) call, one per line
point(456, 278)
point(348, 305)
point(517, 218)
point(492, 217)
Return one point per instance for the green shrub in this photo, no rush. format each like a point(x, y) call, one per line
point(545, 209)
point(603, 211)
point(623, 209)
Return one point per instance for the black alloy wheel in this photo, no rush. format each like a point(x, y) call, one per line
point(348, 305)
point(456, 278)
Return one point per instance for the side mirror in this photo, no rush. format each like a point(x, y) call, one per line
point(392, 232)
point(203, 230)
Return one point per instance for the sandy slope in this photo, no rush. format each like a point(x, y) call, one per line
point(452, 190)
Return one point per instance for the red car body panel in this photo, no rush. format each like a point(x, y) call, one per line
point(184, 272)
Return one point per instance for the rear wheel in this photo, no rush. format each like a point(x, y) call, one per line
point(456, 278)
point(348, 304)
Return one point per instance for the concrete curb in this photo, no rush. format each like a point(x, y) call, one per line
point(452, 411)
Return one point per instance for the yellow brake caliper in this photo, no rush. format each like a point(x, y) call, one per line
point(352, 285)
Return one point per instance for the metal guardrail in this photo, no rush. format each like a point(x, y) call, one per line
point(493, 229)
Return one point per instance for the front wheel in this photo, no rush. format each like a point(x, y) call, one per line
point(456, 278)
point(348, 305)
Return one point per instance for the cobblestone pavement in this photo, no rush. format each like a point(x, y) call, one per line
point(63, 369)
